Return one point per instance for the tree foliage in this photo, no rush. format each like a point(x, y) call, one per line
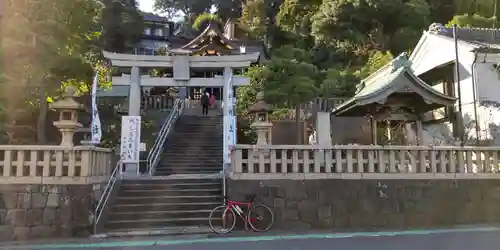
point(202, 21)
point(317, 47)
point(59, 45)
point(122, 25)
point(185, 7)
point(468, 21)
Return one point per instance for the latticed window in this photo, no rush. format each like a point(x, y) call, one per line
point(197, 93)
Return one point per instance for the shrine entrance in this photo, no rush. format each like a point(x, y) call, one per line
point(394, 97)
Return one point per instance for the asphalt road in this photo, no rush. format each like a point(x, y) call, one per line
point(429, 240)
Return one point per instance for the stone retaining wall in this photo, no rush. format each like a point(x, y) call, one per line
point(373, 204)
point(46, 211)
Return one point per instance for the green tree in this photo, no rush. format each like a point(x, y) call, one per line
point(202, 21)
point(295, 16)
point(377, 60)
point(339, 83)
point(122, 25)
point(228, 8)
point(57, 46)
point(441, 11)
point(364, 25)
point(286, 81)
point(468, 21)
point(185, 7)
point(254, 18)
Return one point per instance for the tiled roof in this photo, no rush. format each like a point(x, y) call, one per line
point(477, 36)
point(394, 76)
point(153, 17)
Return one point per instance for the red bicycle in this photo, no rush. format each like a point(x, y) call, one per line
point(259, 216)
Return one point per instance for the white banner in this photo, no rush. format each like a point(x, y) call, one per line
point(96, 130)
point(229, 122)
point(131, 139)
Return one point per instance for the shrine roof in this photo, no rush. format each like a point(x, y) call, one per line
point(188, 41)
point(211, 38)
point(395, 78)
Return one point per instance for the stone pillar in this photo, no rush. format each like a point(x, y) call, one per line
point(134, 109)
point(323, 126)
point(134, 98)
point(323, 135)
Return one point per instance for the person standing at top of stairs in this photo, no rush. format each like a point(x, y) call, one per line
point(205, 102)
point(212, 100)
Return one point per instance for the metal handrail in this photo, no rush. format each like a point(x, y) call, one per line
point(105, 195)
point(166, 128)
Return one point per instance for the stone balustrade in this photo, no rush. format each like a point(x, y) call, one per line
point(50, 191)
point(349, 187)
point(54, 164)
point(361, 161)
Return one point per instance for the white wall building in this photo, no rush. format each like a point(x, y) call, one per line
point(433, 60)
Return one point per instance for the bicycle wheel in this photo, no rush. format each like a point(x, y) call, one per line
point(260, 218)
point(226, 219)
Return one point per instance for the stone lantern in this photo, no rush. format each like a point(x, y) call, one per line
point(261, 124)
point(68, 119)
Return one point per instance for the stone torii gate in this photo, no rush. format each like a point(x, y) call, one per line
point(181, 65)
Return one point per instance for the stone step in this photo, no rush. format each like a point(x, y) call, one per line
point(178, 186)
point(203, 125)
point(195, 155)
point(155, 223)
point(193, 145)
point(190, 146)
point(161, 172)
point(166, 198)
point(159, 215)
point(191, 141)
point(184, 181)
point(199, 129)
point(186, 160)
point(199, 124)
point(190, 166)
point(204, 135)
point(185, 163)
point(129, 193)
point(201, 118)
point(182, 138)
point(176, 146)
point(165, 206)
point(200, 134)
point(206, 158)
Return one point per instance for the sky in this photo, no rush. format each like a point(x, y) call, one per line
point(146, 5)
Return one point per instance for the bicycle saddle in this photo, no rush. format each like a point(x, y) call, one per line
point(250, 197)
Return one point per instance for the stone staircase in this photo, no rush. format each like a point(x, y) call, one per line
point(186, 187)
point(195, 147)
point(155, 204)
